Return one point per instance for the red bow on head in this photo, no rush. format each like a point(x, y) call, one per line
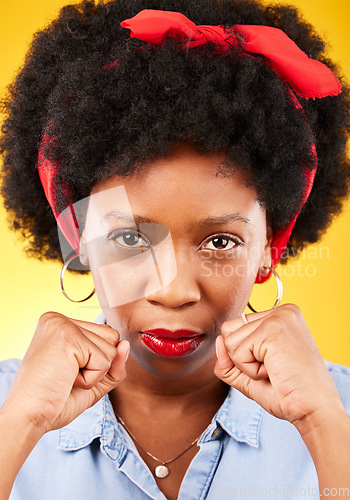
point(307, 77)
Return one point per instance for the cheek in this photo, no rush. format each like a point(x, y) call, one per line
point(227, 279)
point(238, 266)
point(99, 288)
point(118, 316)
point(227, 289)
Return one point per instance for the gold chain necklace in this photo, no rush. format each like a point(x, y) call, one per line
point(160, 471)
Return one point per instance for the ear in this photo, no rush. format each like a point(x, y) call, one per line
point(265, 262)
point(83, 254)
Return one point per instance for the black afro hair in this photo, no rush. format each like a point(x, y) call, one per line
point(115, 118)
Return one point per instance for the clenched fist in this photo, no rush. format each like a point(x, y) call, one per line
point(274, 360)
point(69, 365)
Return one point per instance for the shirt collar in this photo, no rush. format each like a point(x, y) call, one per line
point(99, 421)
point(92, 423)
point(239, 416)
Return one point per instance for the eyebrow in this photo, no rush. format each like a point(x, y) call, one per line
point(223, 219)
point(128, 218)
point(207, 222)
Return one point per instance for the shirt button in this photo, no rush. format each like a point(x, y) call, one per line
point(216, 432)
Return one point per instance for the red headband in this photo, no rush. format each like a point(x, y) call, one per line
point(306, 77)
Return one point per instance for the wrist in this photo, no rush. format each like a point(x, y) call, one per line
point(326, 435)
point(15, 418)
point(18, 436)
point(323, 427)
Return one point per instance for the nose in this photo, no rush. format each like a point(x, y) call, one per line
point(182, 290)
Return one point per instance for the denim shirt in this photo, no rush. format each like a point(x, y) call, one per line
point(244, 452)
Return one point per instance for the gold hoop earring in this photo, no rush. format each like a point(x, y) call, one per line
point(63, 270)
point(279, 290)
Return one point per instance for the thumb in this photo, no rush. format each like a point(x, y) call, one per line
point(117, 370)
point(224, 363)
point(228, 372)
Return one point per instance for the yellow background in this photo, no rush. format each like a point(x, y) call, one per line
point(318, 282)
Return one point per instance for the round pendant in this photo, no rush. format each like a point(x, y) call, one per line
point(161, 471)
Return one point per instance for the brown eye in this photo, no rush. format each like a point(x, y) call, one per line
point(129, 239)
point(221, 243)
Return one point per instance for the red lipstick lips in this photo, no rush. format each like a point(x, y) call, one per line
point(171, 343)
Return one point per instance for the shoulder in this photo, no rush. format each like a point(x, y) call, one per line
point(8, 370)
point(341, 377)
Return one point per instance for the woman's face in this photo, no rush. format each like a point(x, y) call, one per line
point(178, 248)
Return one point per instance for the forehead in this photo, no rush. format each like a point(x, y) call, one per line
point(182, 186)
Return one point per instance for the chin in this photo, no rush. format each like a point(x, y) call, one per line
point(172, 368)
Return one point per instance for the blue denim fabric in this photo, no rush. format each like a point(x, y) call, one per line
point(244, 453)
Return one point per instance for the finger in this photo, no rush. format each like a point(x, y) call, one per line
point(52, 319)
point(234, 324)
point(244, 359)
point(105, 331)
point(93, 353)
point(93, 363)
point(106, 345)
point(87, 376)
point(248, 355)
point(83, 378)
point(115, 374)
point(228, 372)
point(113, 377)
point(116, 371)
point(234, 339)
point(225, 369)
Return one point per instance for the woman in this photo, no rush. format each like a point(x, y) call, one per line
point(201, 135)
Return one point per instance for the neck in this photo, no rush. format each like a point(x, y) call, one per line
point(153, 396)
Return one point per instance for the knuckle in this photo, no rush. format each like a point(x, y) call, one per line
point(114, 351)
point(114, 335)
point(72, 343)
point(49, 324)
point(105, 365)
point(271, 332)
point(113, 330)
point(294, 310)
point(109, 334)
point(88, 385)
point(64, 333)
point(289, 313)
point(274, 325)
point(291, 309)
point(227, 327)
point(236, 357)
point(48, 317)
point(230, 342)
point(233, 350)
point(110, 353)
